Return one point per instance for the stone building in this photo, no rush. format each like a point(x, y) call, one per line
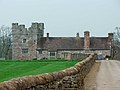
point(29, 44)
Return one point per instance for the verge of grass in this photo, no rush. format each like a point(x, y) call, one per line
point(15, 68)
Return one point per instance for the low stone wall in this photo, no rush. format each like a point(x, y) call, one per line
point(69, 79)
point(79, 56)
point(116, 53)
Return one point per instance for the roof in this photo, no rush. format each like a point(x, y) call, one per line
point(72, 43)
point(99, 43)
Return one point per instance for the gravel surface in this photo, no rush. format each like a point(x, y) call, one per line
point(90, 80)
point(105, 75)
point(108, 77)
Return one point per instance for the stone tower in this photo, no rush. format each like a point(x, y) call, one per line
point(24, 43)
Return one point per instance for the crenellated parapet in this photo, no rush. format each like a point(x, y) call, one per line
point(35, 28)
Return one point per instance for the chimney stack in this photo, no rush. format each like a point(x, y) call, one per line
point(77, 35)
point(110, 37)
point(47, 35)
point(86, 40)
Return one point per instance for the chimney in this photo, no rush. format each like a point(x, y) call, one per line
point(47, 35)
point(86, 40)
point(77, 35)
point(110, 37)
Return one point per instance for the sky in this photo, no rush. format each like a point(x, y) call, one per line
point(63, 17)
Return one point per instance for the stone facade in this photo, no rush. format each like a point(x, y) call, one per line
point(24, 43)
point(29, 44)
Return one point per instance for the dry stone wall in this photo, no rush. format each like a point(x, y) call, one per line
point(116, 53)
point(69, 79)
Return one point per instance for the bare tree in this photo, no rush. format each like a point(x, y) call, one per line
point(117, 36)
point(5, 41)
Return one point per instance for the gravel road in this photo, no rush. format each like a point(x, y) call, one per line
point(104, 75)
point(108, 76)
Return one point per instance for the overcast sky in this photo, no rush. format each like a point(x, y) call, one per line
point(64, 17)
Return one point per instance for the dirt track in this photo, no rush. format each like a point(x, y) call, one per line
point(106, 76)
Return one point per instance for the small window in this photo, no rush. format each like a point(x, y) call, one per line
point(25, 50)
point(40, 52)
point(24, 40)
point(52, 53)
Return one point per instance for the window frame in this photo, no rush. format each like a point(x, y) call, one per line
point(25, 51)
point(52, 54)
point(24, 40)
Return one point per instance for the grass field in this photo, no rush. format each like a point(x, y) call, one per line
point(13, 69)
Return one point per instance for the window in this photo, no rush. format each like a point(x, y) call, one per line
point(25, 50)
point(52, 53)
point(24, 40)
point(40, 52)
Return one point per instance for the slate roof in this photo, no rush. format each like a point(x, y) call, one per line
point(99, 43)
point(71, 43)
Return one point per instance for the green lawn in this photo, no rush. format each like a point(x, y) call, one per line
point(12, 69)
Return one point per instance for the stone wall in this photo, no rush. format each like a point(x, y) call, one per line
point(116, 53)
point(79, 56)
point(69, 79)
